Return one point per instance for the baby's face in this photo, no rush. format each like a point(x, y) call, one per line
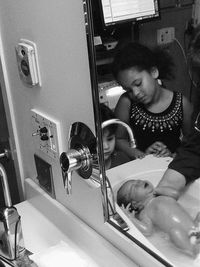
point(137, 190)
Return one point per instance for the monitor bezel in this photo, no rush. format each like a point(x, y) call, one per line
point(140, 19)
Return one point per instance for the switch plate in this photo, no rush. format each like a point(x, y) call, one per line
point(27, 58)
point(165, 35)
point(46, 133)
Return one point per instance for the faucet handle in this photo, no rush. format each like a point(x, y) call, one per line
point(67, 179)
point(68, 182)
point(70, 161)
point(79, 157)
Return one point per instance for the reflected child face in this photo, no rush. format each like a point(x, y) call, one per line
point(108, 143)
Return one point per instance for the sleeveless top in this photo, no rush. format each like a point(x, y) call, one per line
point(150, 127)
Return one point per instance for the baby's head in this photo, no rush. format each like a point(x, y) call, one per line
point(134, 192)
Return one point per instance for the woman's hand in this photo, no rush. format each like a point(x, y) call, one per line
point(159, 150)
point(138, 154)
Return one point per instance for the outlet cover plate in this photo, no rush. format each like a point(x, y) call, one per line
point(52, 146)
point(165, 35)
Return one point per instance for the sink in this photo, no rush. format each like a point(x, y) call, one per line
point(149, 166)
point(152, 169)
point(23, 261)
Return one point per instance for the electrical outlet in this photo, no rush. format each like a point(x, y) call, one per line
point(165, 35)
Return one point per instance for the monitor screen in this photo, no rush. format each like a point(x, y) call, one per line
point(120, 11)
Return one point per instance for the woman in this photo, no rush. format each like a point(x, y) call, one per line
point(157, 115)
point(185, 168)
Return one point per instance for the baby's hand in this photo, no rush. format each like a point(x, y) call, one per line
point(159, 150)
point(127, 211)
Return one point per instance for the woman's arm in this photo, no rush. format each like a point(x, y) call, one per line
point(171, 184)
point(187, 116)
point(122, 112)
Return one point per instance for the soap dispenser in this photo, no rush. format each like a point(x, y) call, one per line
point(11, 237)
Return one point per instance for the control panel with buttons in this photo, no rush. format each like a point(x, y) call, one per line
point(46, 133)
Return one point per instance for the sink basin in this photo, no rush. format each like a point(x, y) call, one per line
point(147, 167)
point(152, 175)
point(23, 261)
point(152, 169)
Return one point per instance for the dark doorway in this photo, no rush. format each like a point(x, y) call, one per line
point(7, 163)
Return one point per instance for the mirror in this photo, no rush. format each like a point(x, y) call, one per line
point(102, 38)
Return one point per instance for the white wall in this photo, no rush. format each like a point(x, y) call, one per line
point(61, 44)
point(57, 28)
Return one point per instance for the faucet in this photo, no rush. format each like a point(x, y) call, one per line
point(11, 237)
point(4, 182)
point(111, 197)
point(128, 128)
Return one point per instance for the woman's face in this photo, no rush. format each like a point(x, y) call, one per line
point(108, 143)
point(141, 85)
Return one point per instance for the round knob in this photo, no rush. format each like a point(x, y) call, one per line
point(64, 162)
point(44, 130)
point(44, 137)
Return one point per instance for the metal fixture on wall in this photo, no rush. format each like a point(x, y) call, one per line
point(11, 238)
point(27, 59)
point(80, 156)
point(127, 127)
point(6, 154)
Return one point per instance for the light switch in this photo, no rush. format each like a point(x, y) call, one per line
point(46, 133)
point(27, 59)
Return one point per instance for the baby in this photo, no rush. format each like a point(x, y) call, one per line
point(140, 203)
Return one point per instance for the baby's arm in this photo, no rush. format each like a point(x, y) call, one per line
point(144, 223)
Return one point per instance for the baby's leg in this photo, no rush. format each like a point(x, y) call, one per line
point(182, 240)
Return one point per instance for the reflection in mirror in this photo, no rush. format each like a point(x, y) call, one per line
point(103, 36)
point(109, 124)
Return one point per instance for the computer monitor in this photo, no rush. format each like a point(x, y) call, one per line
point(121, 11)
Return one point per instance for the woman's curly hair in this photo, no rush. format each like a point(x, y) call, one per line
point(134, 54)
